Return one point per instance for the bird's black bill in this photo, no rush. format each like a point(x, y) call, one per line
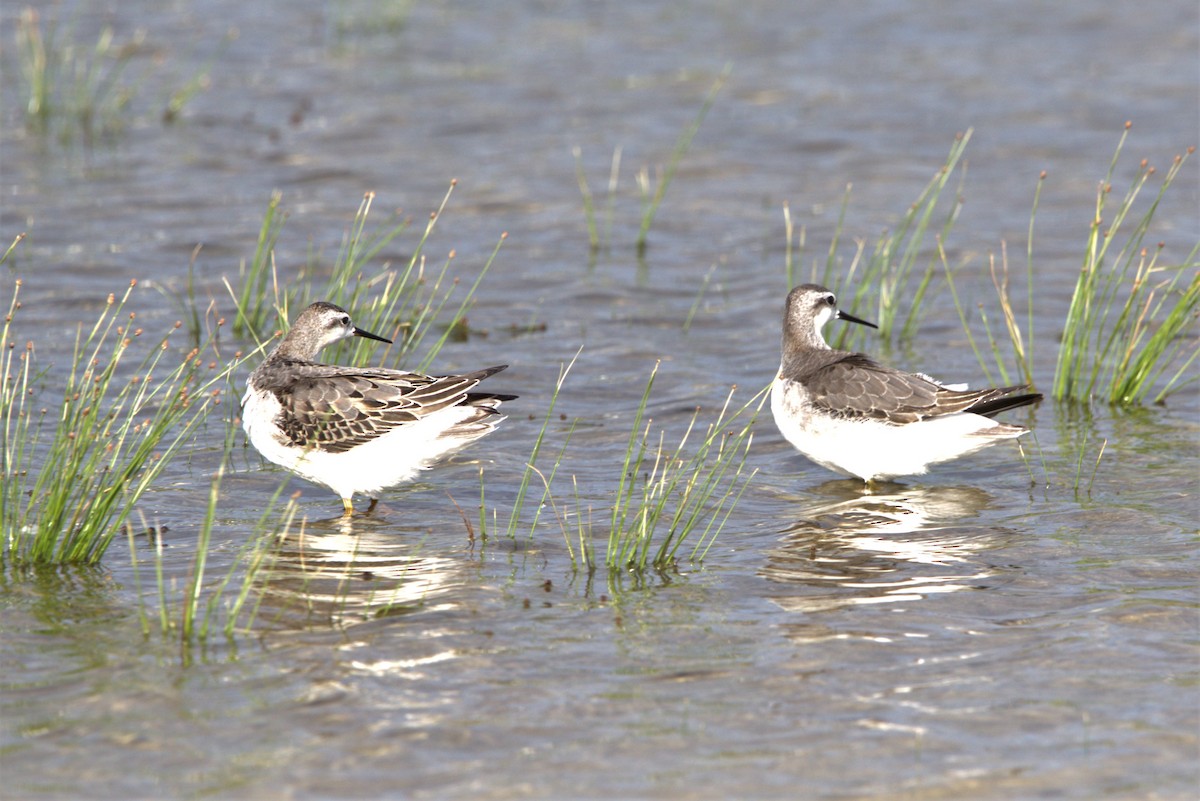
point(850, 318)
point(358, 332)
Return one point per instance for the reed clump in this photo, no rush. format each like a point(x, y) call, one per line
point(78, 89)
point(1129, 334)
point(892, 272)
point(405, 304)
point(75, 468)
point(651, 191)
point(665, 496)
point(1132, 308)
point(72, 82)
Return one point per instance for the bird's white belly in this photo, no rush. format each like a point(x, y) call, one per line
point(383, 462)
point(875, 449)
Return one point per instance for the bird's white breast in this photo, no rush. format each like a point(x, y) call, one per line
point(385, 461)
point(876, 449)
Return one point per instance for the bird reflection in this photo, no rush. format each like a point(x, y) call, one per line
point(345, 570)
point(896, 543)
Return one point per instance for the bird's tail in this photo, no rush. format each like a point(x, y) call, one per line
point(1002, 399)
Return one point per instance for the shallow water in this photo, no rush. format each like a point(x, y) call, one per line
point(989, 631)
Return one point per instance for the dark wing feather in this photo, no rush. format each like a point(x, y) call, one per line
point(336, 408)
point(854, 386)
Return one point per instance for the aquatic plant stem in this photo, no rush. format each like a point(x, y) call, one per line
point(523, 488)
point(652, 201)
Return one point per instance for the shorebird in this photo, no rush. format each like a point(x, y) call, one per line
point(358, 430)
point(852, 415)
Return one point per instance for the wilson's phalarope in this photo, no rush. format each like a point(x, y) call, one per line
point(357, 430)
point(850, 414)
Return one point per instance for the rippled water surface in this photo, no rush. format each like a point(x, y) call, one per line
point(1007, 627)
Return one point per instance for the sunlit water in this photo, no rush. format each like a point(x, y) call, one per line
point(1011, 626)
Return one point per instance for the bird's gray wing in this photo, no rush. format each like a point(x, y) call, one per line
point(334, 408)
point(857, 387)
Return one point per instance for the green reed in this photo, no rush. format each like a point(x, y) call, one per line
point(403, 304)
point(699, 301)
point(254, 303)
point(531, 469)
point(73, 82)
point(200, 608)
point(77, 88)
point(1129, 332)
point(596, 240)
point(74, 473)
point(515, 521)
point(350, 22)
point(652, 191)
point(1014, 331)
point(1126, 333)
point(651, 200)
point(795, 242)
point(1130, 313)
point(890, 273)
point(12, 248)
point(666, 495)
point(177, 99)
point(1095, 467)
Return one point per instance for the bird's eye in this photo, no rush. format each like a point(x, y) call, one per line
point(345, 320)
point(830, 300)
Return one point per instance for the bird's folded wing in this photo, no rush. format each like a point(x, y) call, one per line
point(336, 408)
point(857, 387)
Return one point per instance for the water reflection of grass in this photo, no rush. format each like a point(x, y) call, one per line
point(290, 573)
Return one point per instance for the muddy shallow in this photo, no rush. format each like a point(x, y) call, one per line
point(986, 631)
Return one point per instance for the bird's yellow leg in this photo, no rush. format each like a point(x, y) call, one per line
point(347, 506)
